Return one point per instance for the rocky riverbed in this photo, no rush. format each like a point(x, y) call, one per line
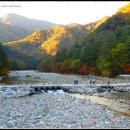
point(31, 76)
point(18, 109)
point(57, 111)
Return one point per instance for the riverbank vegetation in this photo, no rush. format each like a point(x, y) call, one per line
point(100, 48)
point(4, 62)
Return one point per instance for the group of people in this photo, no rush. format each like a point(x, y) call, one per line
point(92, 82)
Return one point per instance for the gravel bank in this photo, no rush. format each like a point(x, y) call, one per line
point(57, 111)
point(26, 77)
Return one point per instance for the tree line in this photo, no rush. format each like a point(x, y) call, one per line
point(4, 62)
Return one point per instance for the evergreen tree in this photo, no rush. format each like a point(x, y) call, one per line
point(4, 62)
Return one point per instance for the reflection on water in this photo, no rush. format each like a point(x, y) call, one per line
point(6, 80)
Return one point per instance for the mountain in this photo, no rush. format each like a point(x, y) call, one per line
point(14, 27)
point(25, 23)
point(124, 10)
point(105, 51)
point(11, 32)
point(101, 47)
point(49, 42)
point(45, 42)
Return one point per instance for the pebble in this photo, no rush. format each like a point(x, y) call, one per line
point(57, 111)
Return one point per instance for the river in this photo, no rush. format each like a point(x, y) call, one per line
point(117, 101)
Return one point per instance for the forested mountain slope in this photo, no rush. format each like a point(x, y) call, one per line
point(105, 51)
point(43, 42)
point(101, 47)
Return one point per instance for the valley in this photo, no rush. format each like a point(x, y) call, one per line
point(65, 76)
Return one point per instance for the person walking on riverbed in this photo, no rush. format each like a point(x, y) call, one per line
point(90, 82)
point(93, 82)
point(75, 82)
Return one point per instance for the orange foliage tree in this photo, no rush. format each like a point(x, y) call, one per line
point(126, 68)
point(83, 69)
point(62, 67)
point(5, 71)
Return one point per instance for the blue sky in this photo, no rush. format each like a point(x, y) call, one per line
point(63, 12)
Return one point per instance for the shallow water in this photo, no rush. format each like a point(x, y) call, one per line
point(55, 92)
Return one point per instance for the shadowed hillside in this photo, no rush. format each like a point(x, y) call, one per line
point(15, 27)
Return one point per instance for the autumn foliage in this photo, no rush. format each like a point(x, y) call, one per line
point(83, 69)
point(126, 68)
point(101, 48)
point(5, 71)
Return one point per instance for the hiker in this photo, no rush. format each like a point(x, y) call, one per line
point(90, 82)
point(74, 82)
point(93, 82)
